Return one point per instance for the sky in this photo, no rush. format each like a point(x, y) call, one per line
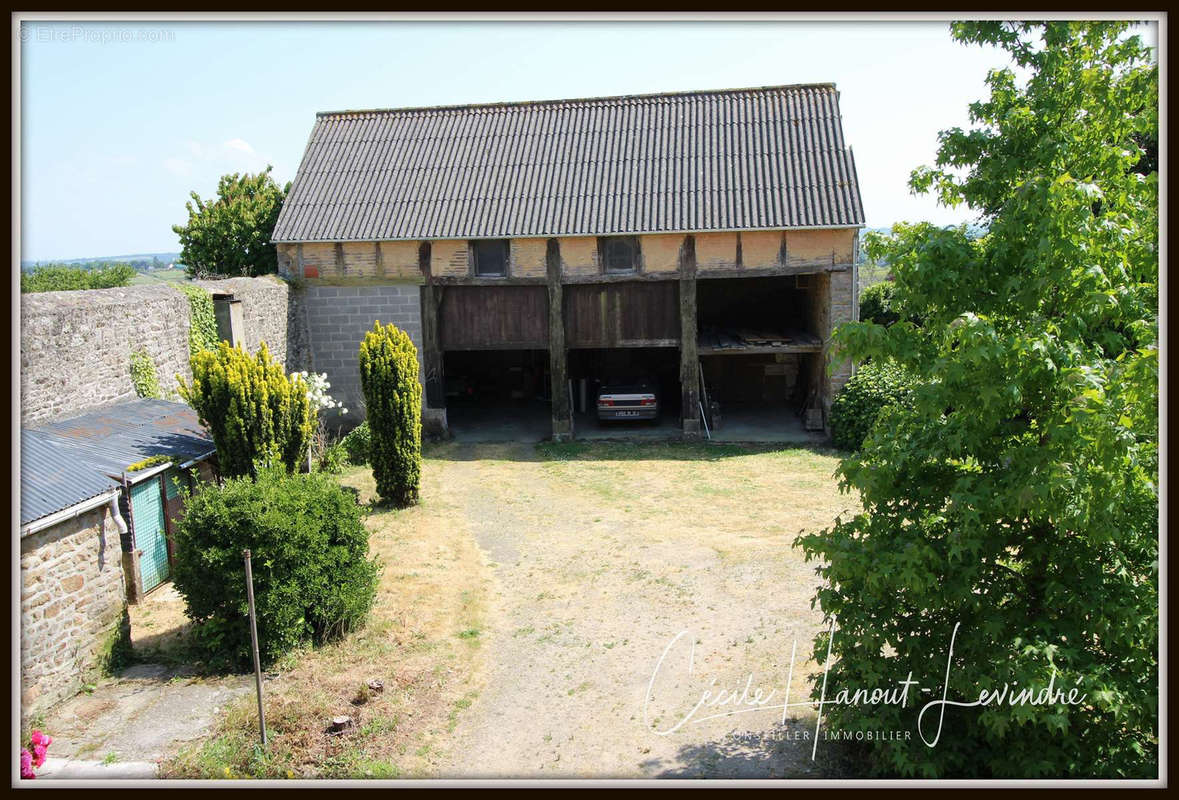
point(121, 121)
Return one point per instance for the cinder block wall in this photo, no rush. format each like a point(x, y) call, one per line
point(337, 319)
point(72, 606)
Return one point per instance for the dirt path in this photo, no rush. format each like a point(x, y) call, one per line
point(600, 561)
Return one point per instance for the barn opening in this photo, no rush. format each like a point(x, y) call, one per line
point(590, 369)
point(498, 395)
point(760, 354)
point(495, 362)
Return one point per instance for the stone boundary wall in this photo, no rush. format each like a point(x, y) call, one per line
point(76, 346)
point(72, 606)
point(337, 319)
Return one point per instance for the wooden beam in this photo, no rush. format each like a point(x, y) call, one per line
point(379, 258)
point(452, 280)
point(558, 355)
point(431, 336)
point(689, 358)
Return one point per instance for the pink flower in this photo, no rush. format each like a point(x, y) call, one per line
point(41, 738)
point(26, 764)
point(38, 755)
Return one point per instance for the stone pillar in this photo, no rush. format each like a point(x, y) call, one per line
point(689, 359)
point(558, 354)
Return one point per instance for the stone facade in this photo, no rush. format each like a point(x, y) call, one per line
point(337, 319)
point(844, 306)
point(73, 606)
point(76, 346)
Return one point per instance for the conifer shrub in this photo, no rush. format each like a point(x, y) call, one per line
point(393, 398)
point(255, 412)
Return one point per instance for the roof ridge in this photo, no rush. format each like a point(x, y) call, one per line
point(568, 100)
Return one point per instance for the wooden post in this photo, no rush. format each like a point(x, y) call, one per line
point(558, 355)
point(432, 362)
point(254, 643)
point(689, 358)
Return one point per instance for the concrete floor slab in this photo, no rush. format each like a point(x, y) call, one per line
point(532, 423)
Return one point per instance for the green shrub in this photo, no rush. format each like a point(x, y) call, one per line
point(143, 374)
point(393, 399)
point(332, 459)
point(858, 404)
point(202, 319)
point(62, 278)
point(253, 409)
point(876, 304)
point(356, 444)
point(313, 580)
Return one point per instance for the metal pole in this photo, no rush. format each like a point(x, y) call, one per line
point(254, 642)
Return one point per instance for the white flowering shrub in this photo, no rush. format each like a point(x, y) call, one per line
point(317, 394)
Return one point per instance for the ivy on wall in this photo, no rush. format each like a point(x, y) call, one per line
point(202, 333)
point(143, 374)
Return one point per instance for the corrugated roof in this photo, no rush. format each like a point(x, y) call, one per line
point(736, 159)
point(115, 437)
point(54, 476)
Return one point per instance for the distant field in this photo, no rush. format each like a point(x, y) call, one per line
point(159, 276)
point(871, 273)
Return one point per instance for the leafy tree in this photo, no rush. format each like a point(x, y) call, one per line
point(876, 304)
point(256, 413)
point(393, 398)
point(62, 277)
point(1017, 495)
point(231, 235)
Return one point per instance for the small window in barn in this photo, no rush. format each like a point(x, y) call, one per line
point(490, 257)
point(619, 253)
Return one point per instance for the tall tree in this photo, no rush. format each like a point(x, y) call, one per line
point(1017, 495)
point(231, 234)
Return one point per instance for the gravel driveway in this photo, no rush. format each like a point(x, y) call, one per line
point(602, 556)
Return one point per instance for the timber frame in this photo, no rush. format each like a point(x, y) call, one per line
point(686, 276)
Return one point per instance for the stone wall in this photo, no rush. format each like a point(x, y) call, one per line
point(76, 346)
point(73, 606)
point(337, 319)
point(272, 315)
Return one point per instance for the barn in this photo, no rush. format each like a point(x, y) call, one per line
point(703, 243)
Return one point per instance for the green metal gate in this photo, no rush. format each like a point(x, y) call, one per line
point(147, 511)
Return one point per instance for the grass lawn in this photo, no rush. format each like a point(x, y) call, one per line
point(533, 584)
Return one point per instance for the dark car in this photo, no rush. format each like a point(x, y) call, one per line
point(627, 399)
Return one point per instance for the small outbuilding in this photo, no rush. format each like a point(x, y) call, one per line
point(149, 447)
point(99, 495)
